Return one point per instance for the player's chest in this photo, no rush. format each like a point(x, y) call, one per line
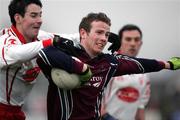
point(100, 70)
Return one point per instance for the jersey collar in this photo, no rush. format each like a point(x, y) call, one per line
point(19, 35)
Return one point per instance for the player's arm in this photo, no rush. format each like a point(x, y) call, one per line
point(129, 65)
point(13, 51)
point(58, 59)
point(52, 57)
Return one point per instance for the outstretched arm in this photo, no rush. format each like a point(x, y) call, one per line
point(129, 65)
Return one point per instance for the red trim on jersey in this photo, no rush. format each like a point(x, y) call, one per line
point(10, 30)
point(47, 42)
point(3, 49)
point(18, 34)
point(3, 56)
point(7, 85)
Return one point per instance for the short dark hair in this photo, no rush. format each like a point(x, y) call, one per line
point(86, 21)
point(129, 27)
point(19, 6)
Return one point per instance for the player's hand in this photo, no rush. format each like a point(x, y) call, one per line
point(114, 39)
point(85, 73)
point(62, 43)
point(65, 45)
point(174, 63)
point(85, 76)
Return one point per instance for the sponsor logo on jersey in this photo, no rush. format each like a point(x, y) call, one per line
point(95, 81)
point(128, 94)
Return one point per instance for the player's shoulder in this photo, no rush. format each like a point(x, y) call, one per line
point(110, 57)
point(121, 56)
point(8, 35)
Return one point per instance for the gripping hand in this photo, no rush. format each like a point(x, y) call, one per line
point(174, 63)
point(64, 44)
point(85, 73)
point(85, 76)
point(114, 39)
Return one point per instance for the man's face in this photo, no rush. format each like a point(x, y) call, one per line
point(131, 43)
point(30, 24)
point(95, 40)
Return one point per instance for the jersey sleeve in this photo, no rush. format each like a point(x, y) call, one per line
point(43, 35)
point(13, 51)
point(55, 58)
point(130, 65)
point(145, 92)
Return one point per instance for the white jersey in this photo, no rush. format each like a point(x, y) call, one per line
point(125, 94)
point(17, 63)
point(18, 66)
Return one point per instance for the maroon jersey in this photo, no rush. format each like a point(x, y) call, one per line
point(84, 103)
